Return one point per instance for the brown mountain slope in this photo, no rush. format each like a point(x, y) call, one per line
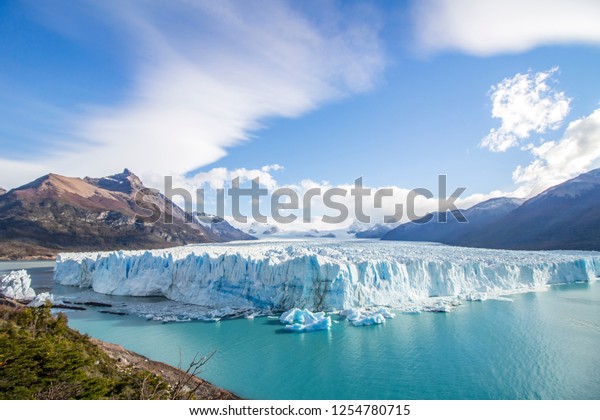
point(56, 213)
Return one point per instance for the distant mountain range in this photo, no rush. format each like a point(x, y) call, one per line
point(221, 228)
point(429, 229)
point(376, 231)
point(566, 216)
point(56, 213)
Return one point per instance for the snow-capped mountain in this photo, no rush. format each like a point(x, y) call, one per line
point(376, 231)
point(356, 227)
point(221, 228)
point(355, 230)
point(271, 230)
point(2, 191)
point(452, 229)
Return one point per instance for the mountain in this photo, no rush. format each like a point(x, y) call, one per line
point(451, 231)
point(221, 228)
point(2, 191)
point(271, 230)
point(376, 231)
point(260, 229)
point(566, 216)
point(56, 213)
point(356, 227)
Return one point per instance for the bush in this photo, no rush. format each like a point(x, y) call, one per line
point(42, 358)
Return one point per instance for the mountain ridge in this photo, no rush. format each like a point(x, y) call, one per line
point(55, 213)
point(429, 230)
point(565, 216)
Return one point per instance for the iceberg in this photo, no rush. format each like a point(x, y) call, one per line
point(41, 299)
point(17, 285)
point(273, 277)
point(303, 320)
point(361, 317)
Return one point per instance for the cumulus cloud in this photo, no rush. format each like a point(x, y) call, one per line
point(553, 162)
point(205, 75)
point(504, 26)
point(315, 207)
point(525, 103)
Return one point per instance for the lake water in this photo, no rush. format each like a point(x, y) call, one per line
point(542, 345)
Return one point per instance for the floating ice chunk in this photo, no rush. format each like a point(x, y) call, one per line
point(369, 320)
point(17, 285)
point(411, 310)
point(503, 298)
point(386, 313)
point(321, 324)
point(475, 296)
point(360, 317)
point(300, 316)
point(303, 320)
point(439, 306)
point(41, 299)
point(168, 318)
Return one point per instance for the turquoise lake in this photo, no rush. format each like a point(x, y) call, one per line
point(542, 345)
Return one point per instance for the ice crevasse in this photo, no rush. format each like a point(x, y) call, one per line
point(322, 276)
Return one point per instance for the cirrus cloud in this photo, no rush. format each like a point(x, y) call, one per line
point(204, 77)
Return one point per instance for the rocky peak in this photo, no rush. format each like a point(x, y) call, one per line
point(2, 191)
point(125, 182)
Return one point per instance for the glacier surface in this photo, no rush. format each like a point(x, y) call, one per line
point(265, 277)
point(17, 285)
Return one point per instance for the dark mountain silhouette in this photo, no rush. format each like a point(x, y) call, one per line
point(566, 216)
point(430, 229)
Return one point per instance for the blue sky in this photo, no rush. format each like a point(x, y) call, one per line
point(394, 91)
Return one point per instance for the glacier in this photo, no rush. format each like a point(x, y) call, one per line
point(17, 285)
point(260, 278)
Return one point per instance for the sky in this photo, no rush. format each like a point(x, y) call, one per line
point(500, 96)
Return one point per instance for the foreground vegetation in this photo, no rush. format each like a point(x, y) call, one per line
point(42, 358)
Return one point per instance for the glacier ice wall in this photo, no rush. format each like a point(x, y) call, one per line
point(321, 275)
point(17, 285)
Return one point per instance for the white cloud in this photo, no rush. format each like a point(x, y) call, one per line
point(273, 167)
point(505, 26)
point(205, 75)
point(222, 177)
point(576, 152)
point(525, 103)
point(209, 181)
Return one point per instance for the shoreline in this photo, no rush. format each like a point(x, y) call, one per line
point(127, 359)
point(184, 384)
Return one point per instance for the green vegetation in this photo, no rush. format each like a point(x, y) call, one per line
point(42, 358)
